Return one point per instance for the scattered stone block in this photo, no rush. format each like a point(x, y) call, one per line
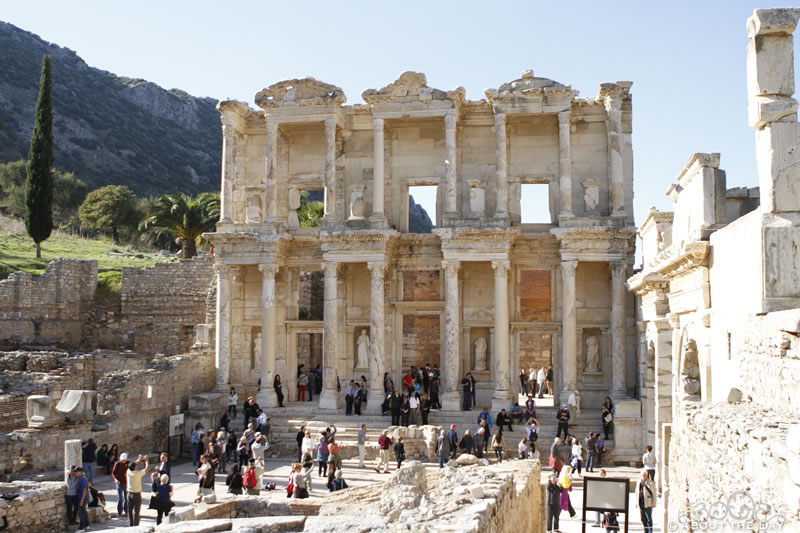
point(735, 395)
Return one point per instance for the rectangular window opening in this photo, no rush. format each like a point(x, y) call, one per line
point(421, 208)
point(311, 295)
point(535, 203)
point(312, 208)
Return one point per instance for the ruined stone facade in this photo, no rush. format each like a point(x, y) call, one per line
point(719, 317)
point(533, 292)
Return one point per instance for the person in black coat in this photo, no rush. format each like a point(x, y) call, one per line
point(563, 422)
point(554, 491)
point(399, 451)
point(467, 443)
point(452, 437)
point(396, 407)
point(503, 419)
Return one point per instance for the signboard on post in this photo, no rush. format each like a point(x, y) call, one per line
point(605, 495)
point(176, 425)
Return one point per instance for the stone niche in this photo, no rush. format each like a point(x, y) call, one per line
point(356, 335)
point(593, 359)
point(475, 367)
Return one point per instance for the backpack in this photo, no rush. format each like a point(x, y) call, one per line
point(610, 522)
point(249, 478)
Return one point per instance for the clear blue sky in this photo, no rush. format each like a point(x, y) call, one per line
point(686, 59)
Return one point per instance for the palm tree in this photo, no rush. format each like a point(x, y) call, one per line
point(184, 217)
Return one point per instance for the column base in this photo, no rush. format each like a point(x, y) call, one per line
point(379, 221)
point(451, 401)
point(267, 398)
point(375, 399)
point(501, 400)
point(563, 398)
point(329, 399)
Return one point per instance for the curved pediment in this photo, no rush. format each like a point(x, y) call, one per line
point(409, 87)
point(526, 86)
point(300, 92)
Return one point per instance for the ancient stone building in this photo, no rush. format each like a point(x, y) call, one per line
point(720, 317)
point(534, 294)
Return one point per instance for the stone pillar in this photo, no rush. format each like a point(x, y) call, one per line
point(452, 348)
point(266, 395)
point(377, 170)
point(73, 454)
point(565, 163)
point(618, 352)
point(271, 184)
point(569, 328)
point(451, 165)
point(501, 399)
point(501, 156)
point(329, 399)
point(330, 168)
point(377, 329)
point(613, 104)
point(223, 326)
point(228, 173)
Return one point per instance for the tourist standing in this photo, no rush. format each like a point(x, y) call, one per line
point(233, 401)
point(435, 385)
point(565, 480)
point(348, 398)
point(205, 479)
point(312, 378)
point(83, 499)
point(452, 438)
point(71, 495)
point(384, 442)
point(601, 447)
point(555, 455)
point(472, 388)
point(413, 404)
point(550, 380)
point(234, 481)
point(164, 467)
point(250, 478)
point(467, 443)
point(649, 461)
point(120, 475)
point(89, 457)
point(362, 440)
point(405, 410)
point(396, 407)
point(498, 444)
point(591, 452)
point(399, 452)
point(164, 502)
point(466, 392)
point(443, 448)
point(646, 500)
point(196, 443)
point(322, 456)
point(554, 491)
point(523, 382)
point(278, 386)
point(608, 412)
point(134, 477)
point(576, 457)
point(425, 408)
point(299, 439)
point(358, 399)
point(541, 377)
point(563, 422)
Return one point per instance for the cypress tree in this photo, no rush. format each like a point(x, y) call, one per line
point(39, 184)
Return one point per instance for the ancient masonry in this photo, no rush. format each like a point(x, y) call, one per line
point(719, 299)
point(484, 293)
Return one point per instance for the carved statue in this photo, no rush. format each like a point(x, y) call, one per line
point(294, 205)
point(591, 195)
point(253, 211)
point(357, 206)
point(690, 370)
point(592, 355)
point(257, 347)
point(362, 350)
point(480, 353)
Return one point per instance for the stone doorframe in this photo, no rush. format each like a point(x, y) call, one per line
point(550, 328)
point(293, 329)
point(412, 308)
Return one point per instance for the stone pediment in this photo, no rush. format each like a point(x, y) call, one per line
point(300, 92)
point(411, 87)
point(528, 86)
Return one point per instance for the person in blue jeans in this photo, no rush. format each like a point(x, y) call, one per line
point(646, 500)
point(120, 475)
point(89, 457)
point(83, 499)
point(71, 495)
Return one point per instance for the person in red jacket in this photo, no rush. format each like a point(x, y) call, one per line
point(384, 443)
point(120, 475)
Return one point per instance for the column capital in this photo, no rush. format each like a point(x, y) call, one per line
point(377, 267)
point(501, 268)
point(569, 266)
point(451, 268)
point(450, 119)
point(330, 269)
point(237, 274)
point(377, 123)
point(618, 270)
point(268, 270)
point(222, 271)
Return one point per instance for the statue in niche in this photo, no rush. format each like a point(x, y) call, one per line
point(591, 195)
point(690, 370)
point(592, 355)
point(362, 350)
point(253, 210)
point(257, 348)
point(294, 205)
point(357, 205)
point(480, 353)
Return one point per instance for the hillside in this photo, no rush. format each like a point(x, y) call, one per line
point(108, 129)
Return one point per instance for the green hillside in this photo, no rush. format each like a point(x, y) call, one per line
point(108, 129)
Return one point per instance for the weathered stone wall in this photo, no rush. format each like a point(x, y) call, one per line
point(49, 309)
point(40, 507)
point(162, 304)
point(728, 459)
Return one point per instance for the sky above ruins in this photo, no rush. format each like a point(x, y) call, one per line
point(686, 58)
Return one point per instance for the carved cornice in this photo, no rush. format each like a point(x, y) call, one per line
point(676, 259)
point(645, 282)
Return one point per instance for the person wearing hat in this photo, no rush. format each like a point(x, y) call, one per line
point(71, 495)
point(83, 499)
point(120, 475)
point(135, 476)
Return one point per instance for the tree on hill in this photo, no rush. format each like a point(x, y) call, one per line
point(39, 187)
point(112, 207)
point(184, 217)
point(68, 192)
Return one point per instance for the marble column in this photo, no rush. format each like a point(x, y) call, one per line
point(618, 351)
point(228, 172)
point(451, 165)
point(565, 163)
point(377, 170)
point(266, 394)
point(501, 157)
point(330, 168)
point(451, 399)
point(569, 329)
point(73, 454)
point(613, 104)
point(271, 184)
point(329, 399)
point(223, 326)
point(377, 331)
point(501, 399)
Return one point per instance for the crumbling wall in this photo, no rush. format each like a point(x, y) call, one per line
point(162, 304)
point(732, 466)
point(50, 309)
